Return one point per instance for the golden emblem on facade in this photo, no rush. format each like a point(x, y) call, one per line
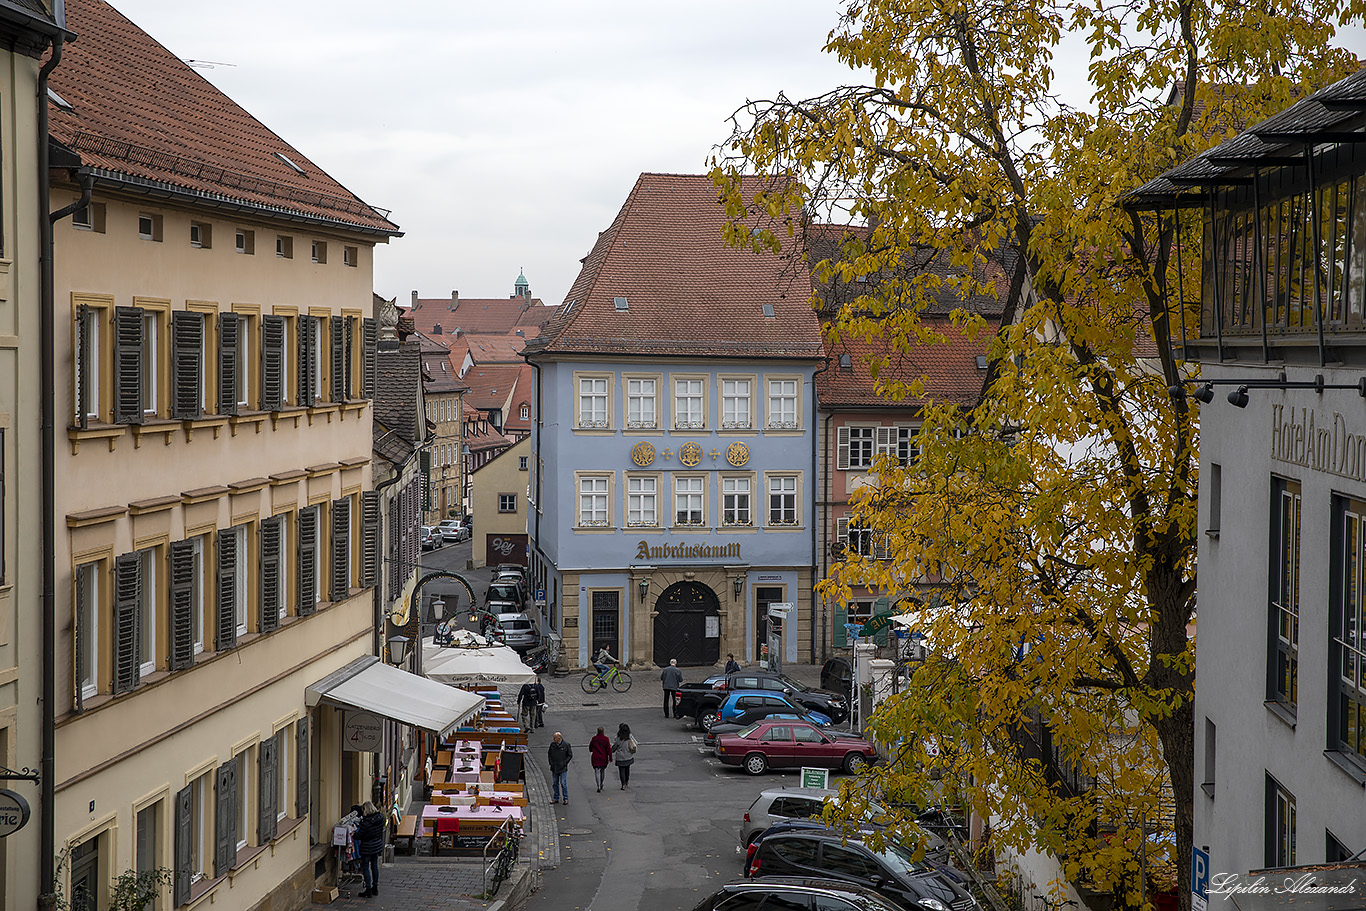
point(643, 453)
point(737, 454)
point(690, 454)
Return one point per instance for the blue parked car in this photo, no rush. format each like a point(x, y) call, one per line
point(754, 705)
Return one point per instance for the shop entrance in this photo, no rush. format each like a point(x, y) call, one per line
point(606, 622)
point(763, 597)
point(687, 625)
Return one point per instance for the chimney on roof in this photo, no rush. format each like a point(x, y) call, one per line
point(455, 300)
point(414, 300)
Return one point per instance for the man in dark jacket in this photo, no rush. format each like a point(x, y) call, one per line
point(526, 706)
point(560, 754)
point(672, 678)
point(538, 688)
point(369, 846)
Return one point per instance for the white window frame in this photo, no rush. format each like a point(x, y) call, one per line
point(777, 414)
point(199, 623)
point(774, 480)
point(88, 577)
point(524, 412)
point(147, 610)
point(95, 359)
point(642, 501)
point(731, 494)
point(598, 487)
point(240, 579)
point(593, 390)
point(741, 389)
point(245, 810)
point(693, 391)
point(283, 741)
point(200, 789)
point(693, 487)
point(863, 450)
point(642, 402)
point(511, 499)
point(151, 360)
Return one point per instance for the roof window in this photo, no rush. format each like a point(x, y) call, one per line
point(621, 303)
point(981, 362)
point(768, 311)
point(286, 160)
point(846, 362)
point(59, 100)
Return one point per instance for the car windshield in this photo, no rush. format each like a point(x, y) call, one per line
point(900, 859)
point(793, 685)
point(748, 729)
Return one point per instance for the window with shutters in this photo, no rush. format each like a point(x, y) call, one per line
point(690, 403)
point(129, 349)
point(225, 818)
point(200, 842)
point(318, 252)
point(245, 761)
point(185, 611)
point(147, 838)
point(244, 241)
point(861, 448)
point(247, 357)
point(350, 256)
point(309, 560)
point(275, 339)
point(230, 357)
point(233, 559)
point(782, 499)
point(92, 316)
point(271, 543)
point(370, 538)
point(369, 357)
point(284, 246)
point(187, 364)
point(152, 321)
point(87, 632)
point(341, 356)
point(784, 412)
point(340, 557)
point(283, 740)
point(309, 361)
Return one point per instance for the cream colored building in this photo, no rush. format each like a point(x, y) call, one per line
point(215, 363)
point(444, 395)
point(500, 502)
point(25, 37)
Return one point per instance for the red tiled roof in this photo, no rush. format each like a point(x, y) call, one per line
point(498, 349)
point(490, 386)
point(688, 294)
point(480, 316)
point(950, 370)
point(142, 116)
point(522, 394)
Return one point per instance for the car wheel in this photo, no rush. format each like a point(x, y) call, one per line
point(706, 720)
point(756, 764)
point(855, 763)
point(753, 837)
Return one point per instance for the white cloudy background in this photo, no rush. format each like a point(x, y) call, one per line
point(502, 136)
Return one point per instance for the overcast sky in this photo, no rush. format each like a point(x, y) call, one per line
point(502, 136)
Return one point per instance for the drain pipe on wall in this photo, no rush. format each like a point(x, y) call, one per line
point(816, 529)
point(47, 854)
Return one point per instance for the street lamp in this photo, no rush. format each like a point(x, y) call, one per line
point(644, 588)
point(739, 584)
point(398, 649)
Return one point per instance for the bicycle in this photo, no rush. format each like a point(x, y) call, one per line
point(620, 680)
point(504, 860)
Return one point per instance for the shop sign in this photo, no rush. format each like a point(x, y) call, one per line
point(13, 812)
point(362, 733)
point(687, 551)
point(768, 577)
point(1302, 437)
point(877, 623)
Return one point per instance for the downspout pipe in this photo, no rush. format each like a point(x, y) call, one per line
point(816, 528)
point(47, 854)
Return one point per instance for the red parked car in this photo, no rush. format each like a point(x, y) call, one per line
point(787, 743)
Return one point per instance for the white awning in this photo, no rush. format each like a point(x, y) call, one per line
point(372, 686)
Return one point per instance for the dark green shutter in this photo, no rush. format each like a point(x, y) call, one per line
point(301, 767)
point(184, 847)
point(187, 364)
point(229, 353)
point(308, 366)
point(308, 560)
point(272, 363)
point(841, 637)
point(348, 355)
point(267, 798)
point(227, 589)
point(369, 346)
point(127, 616)
point(272, 531)
point(338, 326)
point(369, 539)
point(341, 549)
point(79, 669)
point(128, 343)
point(225, 819)
point(182, 605)
point(85, 324)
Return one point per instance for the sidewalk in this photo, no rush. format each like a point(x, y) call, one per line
point(457, 883)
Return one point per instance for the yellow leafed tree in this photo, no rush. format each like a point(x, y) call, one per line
point(1045, 540)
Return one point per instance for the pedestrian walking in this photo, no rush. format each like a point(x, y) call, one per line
point(560, 754)
point(526, 706)
point(732, 666)
point(672, 678)
point(369, 845)
point(539, 688)
point(624, 753)
point(600, 753)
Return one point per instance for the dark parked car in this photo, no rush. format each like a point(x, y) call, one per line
point(892, 872)
point(794, 893)
point(699, 700)
point(784, 893)
point(507, 593)
point(793, 744)
point(837, 675)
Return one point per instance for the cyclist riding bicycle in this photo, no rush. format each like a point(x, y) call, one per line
point(603, 660)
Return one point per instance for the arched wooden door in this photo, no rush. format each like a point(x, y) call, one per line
point(681, 625)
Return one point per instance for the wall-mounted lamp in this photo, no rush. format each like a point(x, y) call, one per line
point(398, 649)
point(739, 586)
point(644, 588)
point(1238, 398)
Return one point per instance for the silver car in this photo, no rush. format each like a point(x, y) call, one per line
point(519, 631)
point(781, 804)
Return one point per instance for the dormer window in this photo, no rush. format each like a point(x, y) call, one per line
point(846, 362)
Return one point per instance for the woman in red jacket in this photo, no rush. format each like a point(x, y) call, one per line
point(600, 749)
